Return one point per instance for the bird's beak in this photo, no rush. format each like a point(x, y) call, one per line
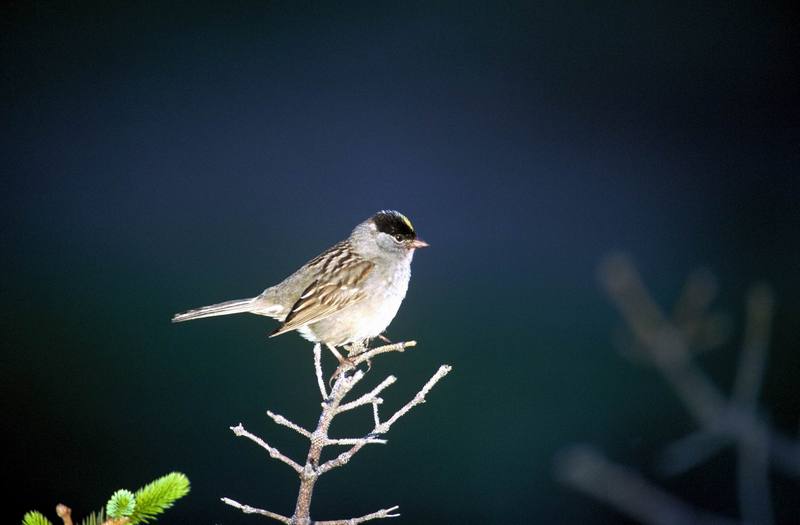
point(418, 243)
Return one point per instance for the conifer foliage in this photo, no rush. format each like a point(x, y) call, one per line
point(126, 507)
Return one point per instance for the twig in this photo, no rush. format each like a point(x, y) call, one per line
point(670, 345)
point(383, 513)
point(753, 358)
point(369, 354)
point(669, 352)
point(755, 501)
point(623, 488)
point(691, 450)
point(754, 455)
point(375, 413)
point(280, 420)
point(368, 397)
point(667, 349)
point(354, 441)
point(346, 377)
point(273, 452)
point(689, 314)
point(382, 428)
point(247, 509)
point(418, 399)
point(734, 426)
point(318, 370)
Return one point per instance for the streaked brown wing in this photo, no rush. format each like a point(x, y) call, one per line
point(327, 295)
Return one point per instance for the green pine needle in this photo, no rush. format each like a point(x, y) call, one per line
point(154, 498)
point(121, 504)
point(35, 518)
point(95, 518)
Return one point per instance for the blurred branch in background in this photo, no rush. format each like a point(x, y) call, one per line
point(670, 345)
point(589, 471)
point(346, 377)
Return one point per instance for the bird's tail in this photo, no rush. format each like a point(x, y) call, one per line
point(237, 306)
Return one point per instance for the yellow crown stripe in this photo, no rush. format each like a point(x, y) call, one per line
point(408, 222)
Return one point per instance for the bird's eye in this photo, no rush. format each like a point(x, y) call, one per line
point(398, 237)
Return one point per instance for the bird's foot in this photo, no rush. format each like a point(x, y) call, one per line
point(345, 363)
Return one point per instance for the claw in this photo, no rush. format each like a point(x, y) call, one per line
point(344, 365)
point(332, 379)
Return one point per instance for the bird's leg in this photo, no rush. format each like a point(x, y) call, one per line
point(384, 339)
point(345, 364)
point(336, 354)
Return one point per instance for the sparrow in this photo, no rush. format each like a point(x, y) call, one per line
point(348, 294)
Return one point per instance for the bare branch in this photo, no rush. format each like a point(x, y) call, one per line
point(355, 441)
point(418, 399)
point(318, 370)
point(691, 450)
point(670, 346)
point(369, 354)
point(247, 509)
point(342, 459)
point(735, 424)
point(752, 360)
point(755, 501)
point(273, 452)
point(375, 415)
point(382, 428)
point(368, 397)
point(669, 352)
point(383, 513)
point(691, 308)
point(279, 419)
point(666, 347)
point(346, 377)
point(590, 472)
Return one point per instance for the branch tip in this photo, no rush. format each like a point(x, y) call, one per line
point(247, 509)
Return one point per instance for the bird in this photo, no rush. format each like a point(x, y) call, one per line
point(346, 295)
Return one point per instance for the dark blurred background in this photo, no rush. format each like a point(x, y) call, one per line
point(158, 157)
